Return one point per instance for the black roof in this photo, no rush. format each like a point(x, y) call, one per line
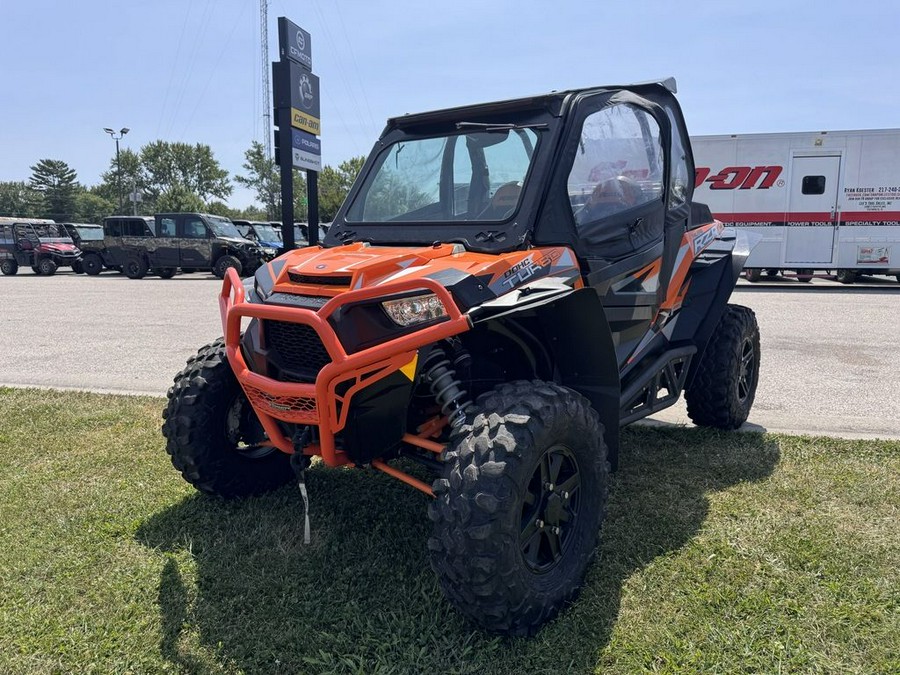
point(551, 102)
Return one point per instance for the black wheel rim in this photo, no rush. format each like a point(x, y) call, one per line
point(244, 431)
point(550, 509)
point(746, 376)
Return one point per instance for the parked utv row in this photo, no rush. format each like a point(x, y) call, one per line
point(134, 245)
point(268, 234)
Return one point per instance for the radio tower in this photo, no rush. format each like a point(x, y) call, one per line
point(267, 94)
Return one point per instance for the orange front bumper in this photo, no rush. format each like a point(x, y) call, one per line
point(319, 404)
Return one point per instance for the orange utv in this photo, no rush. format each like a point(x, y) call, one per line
point(505, 286)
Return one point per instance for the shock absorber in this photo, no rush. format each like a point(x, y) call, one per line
point(446, 389)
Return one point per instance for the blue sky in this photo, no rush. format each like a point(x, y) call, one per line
point(189, 70)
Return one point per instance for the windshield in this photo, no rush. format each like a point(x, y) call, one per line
point(223, 227)
point(267, 233)
point(47, 232)
point(473, 177)
point(301, 233)
point(90, 233)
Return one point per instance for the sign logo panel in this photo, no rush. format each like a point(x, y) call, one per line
point(294, 43)
point(306, 150)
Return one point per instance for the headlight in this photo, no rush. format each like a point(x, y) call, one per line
point(417, 309)
point(269, 251)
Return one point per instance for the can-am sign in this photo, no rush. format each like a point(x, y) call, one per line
point(294, 43)
point(298, 89)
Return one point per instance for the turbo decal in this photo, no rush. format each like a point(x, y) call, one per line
point(543, 262)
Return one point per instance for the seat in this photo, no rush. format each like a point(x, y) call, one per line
point(610, 197)
point(503, 202)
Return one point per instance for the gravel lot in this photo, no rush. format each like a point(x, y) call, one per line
point(829, 363)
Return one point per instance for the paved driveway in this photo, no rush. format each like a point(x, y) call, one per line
point(830, 359)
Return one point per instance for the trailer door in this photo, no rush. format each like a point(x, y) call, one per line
point(811, 227)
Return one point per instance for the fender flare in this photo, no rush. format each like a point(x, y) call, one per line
point(581, 344)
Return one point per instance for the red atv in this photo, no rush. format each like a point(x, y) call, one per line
point(505, 286)
point(42, 245)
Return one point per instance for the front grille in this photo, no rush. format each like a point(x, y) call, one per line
point(299, 409)
point(320, 280)
point(296, 348)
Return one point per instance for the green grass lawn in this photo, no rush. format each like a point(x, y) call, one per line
point(721, 553)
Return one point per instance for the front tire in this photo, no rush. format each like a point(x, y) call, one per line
point(47, 267)
point(223, 263)
point(213, 436)
point(9, 267)
point(92, 264)
point(753, 274)
point(165, 272)
point(518, 510)
point(724, 386)
point(804, 276)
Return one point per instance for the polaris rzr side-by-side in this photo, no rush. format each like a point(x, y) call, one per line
point(505, 285)
point(267, 235)
point(42, 245)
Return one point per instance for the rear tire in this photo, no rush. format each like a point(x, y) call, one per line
point(92, 264)
point(518, 510)
point(165, 272)
point(77, 268)
point(804, 276)
point(223, 263)
point(724, 386)
point(753, 274)
point(9, 267)
point(213, 435)
point(845, 276)
point(135, 267)
point(771, 273)
point(47, 267)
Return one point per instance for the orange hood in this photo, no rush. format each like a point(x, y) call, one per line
point(330, 271)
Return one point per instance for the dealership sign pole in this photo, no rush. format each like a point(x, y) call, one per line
point(297, 116)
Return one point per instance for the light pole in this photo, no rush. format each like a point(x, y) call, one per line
point(122, 132)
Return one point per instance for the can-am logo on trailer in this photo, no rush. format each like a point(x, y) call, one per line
point(738, 177)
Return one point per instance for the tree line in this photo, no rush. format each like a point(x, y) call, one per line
point(171, 177)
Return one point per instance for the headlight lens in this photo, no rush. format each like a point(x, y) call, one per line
point(417, 309)
point(269, 251)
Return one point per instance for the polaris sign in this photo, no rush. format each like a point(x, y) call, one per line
point(294, 43)
point(306, 151)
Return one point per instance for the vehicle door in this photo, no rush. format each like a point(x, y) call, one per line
point(7, 242)
point(194, 244)
point(812, 204)
point(165, 246)
point(612, 174)
point(27, 241)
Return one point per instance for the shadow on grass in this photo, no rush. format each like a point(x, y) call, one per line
point(362, 598)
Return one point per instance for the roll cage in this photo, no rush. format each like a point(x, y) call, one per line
point(544, 211)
